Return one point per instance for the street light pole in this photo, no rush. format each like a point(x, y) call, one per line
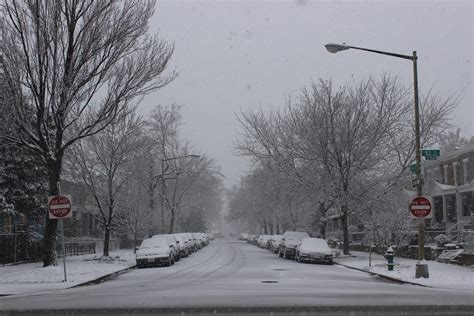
point(421, 267)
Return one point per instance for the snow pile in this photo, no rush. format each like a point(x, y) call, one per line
point(31, 277)
point(441, 275)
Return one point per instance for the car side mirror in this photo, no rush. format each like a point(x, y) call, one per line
point(136, 248)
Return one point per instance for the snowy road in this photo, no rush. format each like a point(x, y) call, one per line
point(231, 273)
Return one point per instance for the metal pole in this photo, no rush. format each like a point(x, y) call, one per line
point(64, 248)
point(421, 268)
point(163, 196)
point(61, 223)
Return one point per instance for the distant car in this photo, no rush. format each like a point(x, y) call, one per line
point(274, 243)
point(289, 242)
point(154, 252)
point(262, 241)
point(313, 250)
point(243, 236)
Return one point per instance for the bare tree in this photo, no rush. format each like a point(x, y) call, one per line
point(102, 163)
point(340, 138)
point(71, 67)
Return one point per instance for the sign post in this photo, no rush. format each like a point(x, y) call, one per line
point(59, 207)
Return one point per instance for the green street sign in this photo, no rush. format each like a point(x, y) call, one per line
point(430, 153)
point(413, 168)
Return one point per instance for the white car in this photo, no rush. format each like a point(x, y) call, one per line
point(172, 241)
point(313, 250)
point(154, 252)
point(263, 240)
point(184, 246)
point(289, 242)
point(275, 242)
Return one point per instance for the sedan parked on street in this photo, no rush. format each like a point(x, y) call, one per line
point(313, 250)
point(289, 242)
point(154, 252)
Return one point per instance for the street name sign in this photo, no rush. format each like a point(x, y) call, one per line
point(59, 206)
point(420, 207)
point(430, 153)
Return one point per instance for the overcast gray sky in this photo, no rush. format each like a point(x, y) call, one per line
point(250, 54)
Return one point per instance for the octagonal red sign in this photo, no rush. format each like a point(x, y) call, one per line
point(59, 206)
point(420, 207)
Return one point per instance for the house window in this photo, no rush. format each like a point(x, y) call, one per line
point(467, 204)
point(464, 170)
point(455, 174)
point(451, 208)
point(438, 209)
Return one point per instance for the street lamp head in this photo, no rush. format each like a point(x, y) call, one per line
point(334, 48)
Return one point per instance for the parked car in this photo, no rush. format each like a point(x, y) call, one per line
point(313, 250)
point(197, 241)
point(288, 243)
point(243, 236)
point(184, 247)
point(154, 252)
point(274, 243)
point(262, 241)
point(171, 239)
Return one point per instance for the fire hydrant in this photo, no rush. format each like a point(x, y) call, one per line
point(389, 256)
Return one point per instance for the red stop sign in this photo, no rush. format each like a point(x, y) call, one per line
point(420, 207)
point(59, 206)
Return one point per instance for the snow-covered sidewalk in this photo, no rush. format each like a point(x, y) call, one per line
point(32, 277)
point(441, 275)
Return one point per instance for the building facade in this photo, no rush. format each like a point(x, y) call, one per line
point(449, 181)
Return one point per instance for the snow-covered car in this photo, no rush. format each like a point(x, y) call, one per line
point(197, 241)
point(262, 241)
point(274, 243)
point(313, 250)
point(154, 252)
point(243, 236)
point(289, 242)
point(184, 247)
point(172, 242)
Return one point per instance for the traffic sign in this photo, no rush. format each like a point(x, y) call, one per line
point(413, 168)
point(59, 206)
point(416, 182)
point(430, 152)
point(420, 207)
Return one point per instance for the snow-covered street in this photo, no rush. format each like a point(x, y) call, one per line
point(231, 273)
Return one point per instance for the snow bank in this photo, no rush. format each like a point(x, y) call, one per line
point(441, 275)
point(32, 277)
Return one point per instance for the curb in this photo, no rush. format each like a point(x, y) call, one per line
point(104, 278)
point(383, 276)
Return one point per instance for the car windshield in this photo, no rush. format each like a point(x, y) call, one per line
point(296, 236)
point(315, 243)
point(227, 157)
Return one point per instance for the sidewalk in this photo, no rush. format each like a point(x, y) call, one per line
point(441, 275)
point(32, 277)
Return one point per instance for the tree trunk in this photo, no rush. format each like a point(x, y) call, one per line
point(50, 231)
point(345, 230)
point(106, 241)
point(322, 229)
point(173, 218)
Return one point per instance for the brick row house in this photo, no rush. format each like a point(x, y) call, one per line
point(449, 181)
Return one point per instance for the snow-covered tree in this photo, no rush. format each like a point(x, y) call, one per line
point(102, 163)
point(71, 69)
